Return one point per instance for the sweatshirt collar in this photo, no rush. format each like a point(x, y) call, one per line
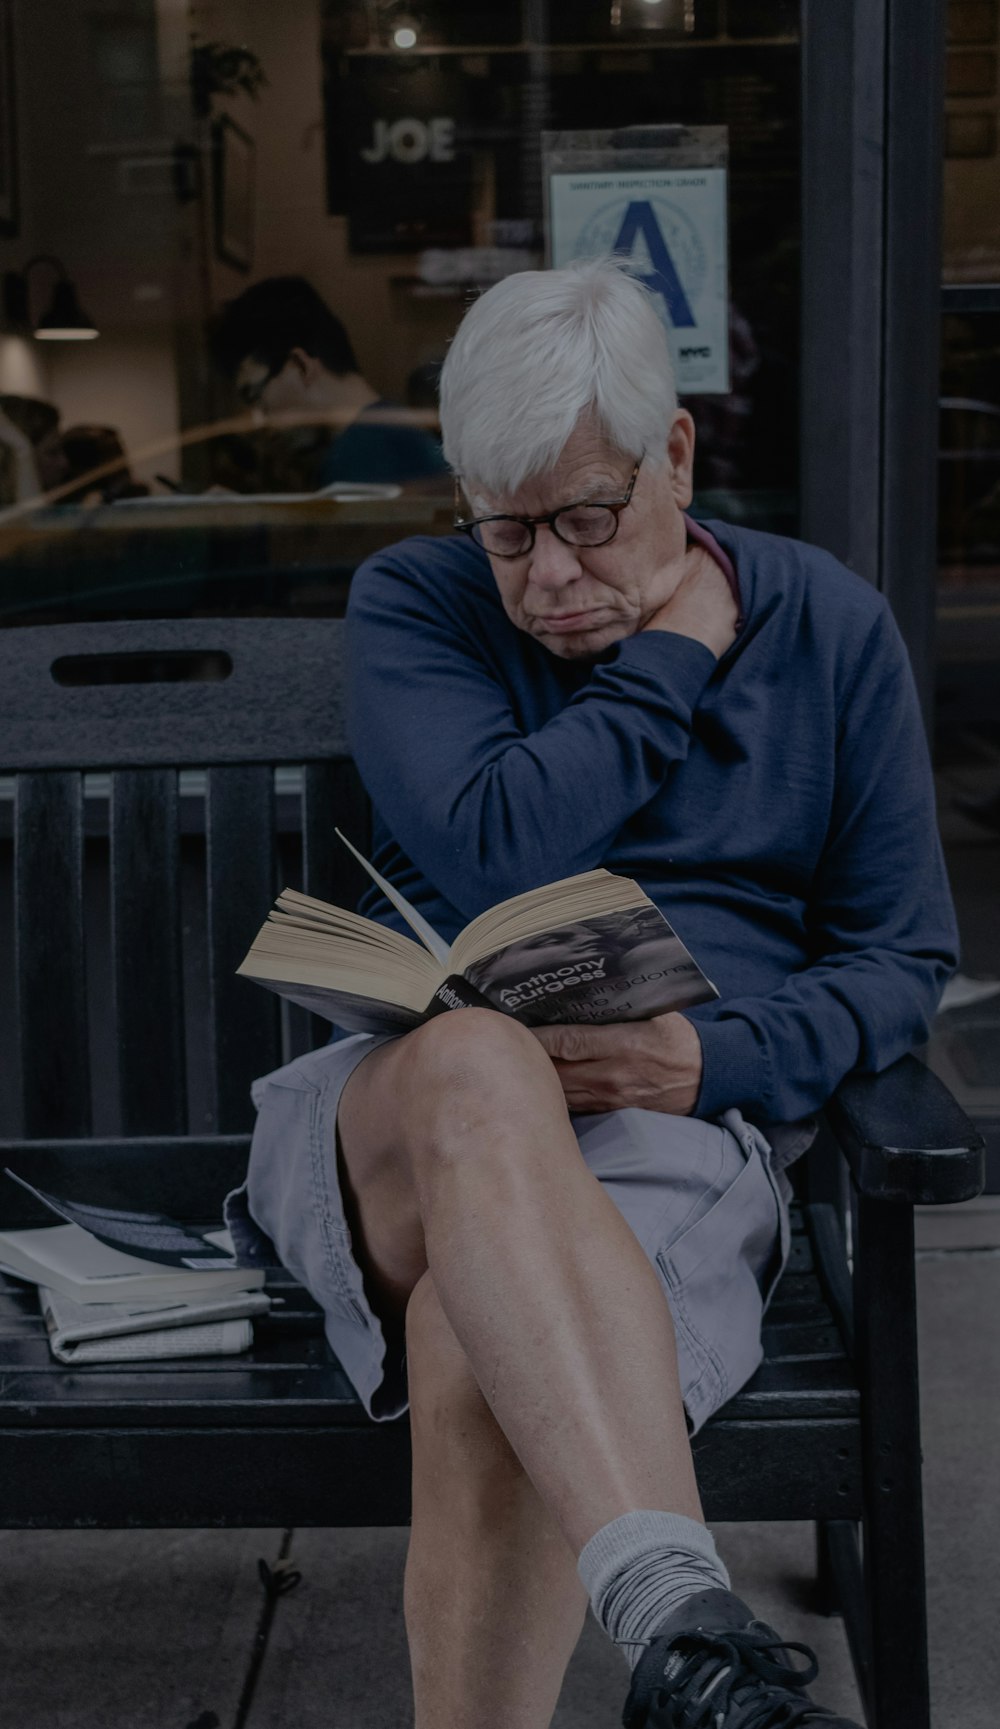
point(702, 536)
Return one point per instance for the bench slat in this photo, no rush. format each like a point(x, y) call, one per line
point(51, 974)
point(229, 1475)
point(146, 942)
point(186, 1176)
point(241, 875)
point(290, 1381)
point(333, 797)
point(282, 702)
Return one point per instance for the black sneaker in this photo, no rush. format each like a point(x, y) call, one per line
point(712, 1666)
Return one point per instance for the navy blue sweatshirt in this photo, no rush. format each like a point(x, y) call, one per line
point(776, 804)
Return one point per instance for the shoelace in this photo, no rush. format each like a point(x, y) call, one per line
point(701, 1692)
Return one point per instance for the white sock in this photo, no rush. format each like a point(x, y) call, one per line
point(641, 1567)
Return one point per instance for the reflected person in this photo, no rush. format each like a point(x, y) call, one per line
point(289, 355)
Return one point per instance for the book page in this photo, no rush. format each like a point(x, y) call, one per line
point(355, 1012)
point(428, 936)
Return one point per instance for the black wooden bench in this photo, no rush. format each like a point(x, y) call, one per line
point(135, 892)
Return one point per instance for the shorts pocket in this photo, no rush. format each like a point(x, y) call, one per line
point(717, 1274)
point(292, 1189)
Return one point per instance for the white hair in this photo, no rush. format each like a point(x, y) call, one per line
point(540, 349)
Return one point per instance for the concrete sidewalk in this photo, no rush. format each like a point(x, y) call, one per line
point(158, 1630)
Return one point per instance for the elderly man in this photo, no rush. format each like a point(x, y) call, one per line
point(560, 1244)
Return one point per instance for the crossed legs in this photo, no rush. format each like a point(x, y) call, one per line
point(543, 1380)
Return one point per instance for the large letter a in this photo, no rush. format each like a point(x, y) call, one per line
point(663, 279)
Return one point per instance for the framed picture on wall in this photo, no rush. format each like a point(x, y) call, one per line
point(9, 211)
point(233, 153)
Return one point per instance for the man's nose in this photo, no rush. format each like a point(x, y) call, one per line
point(553, 563)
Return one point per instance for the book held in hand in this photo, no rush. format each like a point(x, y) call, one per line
point(588, 949)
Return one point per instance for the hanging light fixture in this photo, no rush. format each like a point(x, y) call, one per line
point(405, 32)
point(64, 319)
point(672, 17)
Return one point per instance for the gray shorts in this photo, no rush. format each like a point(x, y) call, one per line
point(701, 1197)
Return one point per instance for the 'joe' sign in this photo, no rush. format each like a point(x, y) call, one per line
point(402, 162)
point(412, 141)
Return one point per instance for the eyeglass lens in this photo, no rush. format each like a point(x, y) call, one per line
point(583, 525)
point(252, 391)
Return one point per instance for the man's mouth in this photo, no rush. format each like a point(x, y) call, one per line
point(566, 621)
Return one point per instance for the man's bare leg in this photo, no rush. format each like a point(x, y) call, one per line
point(457, 1154)
point(492, 1598)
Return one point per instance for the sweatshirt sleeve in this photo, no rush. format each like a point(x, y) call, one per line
point(483, 808)
point(881, 917)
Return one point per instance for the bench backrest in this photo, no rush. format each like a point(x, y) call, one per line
point(149, 840)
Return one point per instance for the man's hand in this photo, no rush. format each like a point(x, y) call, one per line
point(654, 1065)
point(702, 605)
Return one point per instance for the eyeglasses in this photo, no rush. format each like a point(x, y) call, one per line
point(251, 392)
point(589, 522)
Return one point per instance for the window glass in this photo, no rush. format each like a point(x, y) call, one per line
point(966, 1044)
point(972, 104)
point(348, 173)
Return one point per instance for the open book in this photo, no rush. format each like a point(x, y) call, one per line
point(105, 1255)
point(588, 949)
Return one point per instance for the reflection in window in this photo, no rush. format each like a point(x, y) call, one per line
point(386, 160)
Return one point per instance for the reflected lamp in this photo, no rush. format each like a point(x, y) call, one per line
point(64, 319)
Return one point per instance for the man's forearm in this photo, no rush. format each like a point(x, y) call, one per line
point(517, 810)
point(781, 1056)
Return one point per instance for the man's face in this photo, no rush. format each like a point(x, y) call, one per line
point(576, 600)
point(271, 392)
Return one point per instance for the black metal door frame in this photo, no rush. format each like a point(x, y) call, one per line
point(873, 103)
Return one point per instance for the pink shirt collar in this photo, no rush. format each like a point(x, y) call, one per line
point(702, 536)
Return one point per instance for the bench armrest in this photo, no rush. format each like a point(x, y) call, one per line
point(905, 1137)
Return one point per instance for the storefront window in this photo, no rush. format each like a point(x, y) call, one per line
point(161, 158)
point(966, 1045)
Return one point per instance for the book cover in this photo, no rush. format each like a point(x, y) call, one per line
point(148, 1236)
point(625, 966)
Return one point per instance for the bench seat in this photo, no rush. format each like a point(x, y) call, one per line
point(277, 1436)
point(163, 780)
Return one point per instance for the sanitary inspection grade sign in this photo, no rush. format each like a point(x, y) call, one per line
point(670, 224)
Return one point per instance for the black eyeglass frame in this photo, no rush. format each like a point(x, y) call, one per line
point(532, 523)
point(250, 394)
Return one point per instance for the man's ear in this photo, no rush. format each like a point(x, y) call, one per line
point(680, 457)
point(306, 365)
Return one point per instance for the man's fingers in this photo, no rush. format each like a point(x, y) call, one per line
point(576, 1044)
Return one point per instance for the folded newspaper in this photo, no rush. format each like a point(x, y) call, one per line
point(136, 1332)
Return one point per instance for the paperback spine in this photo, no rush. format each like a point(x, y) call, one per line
point(457, 993)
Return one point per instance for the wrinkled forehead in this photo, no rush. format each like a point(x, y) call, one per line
point(596, 472)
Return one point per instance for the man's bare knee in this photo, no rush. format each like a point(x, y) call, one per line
point(473, 1065)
